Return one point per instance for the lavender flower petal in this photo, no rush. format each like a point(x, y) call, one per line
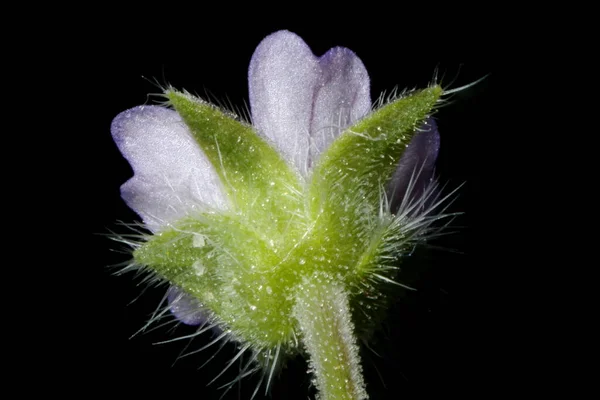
point(417, 163)
point(282, 76)
point(172, 176)
point(302, 102)
point(185, 308)
point(342, 97)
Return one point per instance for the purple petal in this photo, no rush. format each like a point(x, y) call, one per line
point(342, 97)
point(417, 163)
point(282, 76)
point(301, 102)
point(185, 308)
point(172, 177)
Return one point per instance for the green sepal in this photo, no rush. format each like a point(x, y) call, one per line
point(260, 184)
point(364, 157)
point(348, 185)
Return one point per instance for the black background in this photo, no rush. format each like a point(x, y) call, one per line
point(437, 340)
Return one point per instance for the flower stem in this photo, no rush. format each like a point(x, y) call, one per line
point(324, 317)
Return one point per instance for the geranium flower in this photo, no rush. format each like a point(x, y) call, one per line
point(316, 199)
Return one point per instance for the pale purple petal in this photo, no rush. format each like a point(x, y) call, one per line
point(185, 308)
point(417, 163)
point(342, 97)
point(172, 176)
point(282, 76)
point(302, 102)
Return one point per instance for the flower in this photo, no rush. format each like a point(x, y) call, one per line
point(241, 215)
point(299, 102)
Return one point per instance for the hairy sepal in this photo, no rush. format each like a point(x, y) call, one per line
point(222, 262)
point(262, 187)
point(347, 189)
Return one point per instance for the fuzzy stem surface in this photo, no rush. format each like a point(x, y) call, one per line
point(323, 313)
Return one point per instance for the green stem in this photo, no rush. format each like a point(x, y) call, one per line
point(328, 336)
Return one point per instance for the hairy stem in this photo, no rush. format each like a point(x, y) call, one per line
point(324, 317)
